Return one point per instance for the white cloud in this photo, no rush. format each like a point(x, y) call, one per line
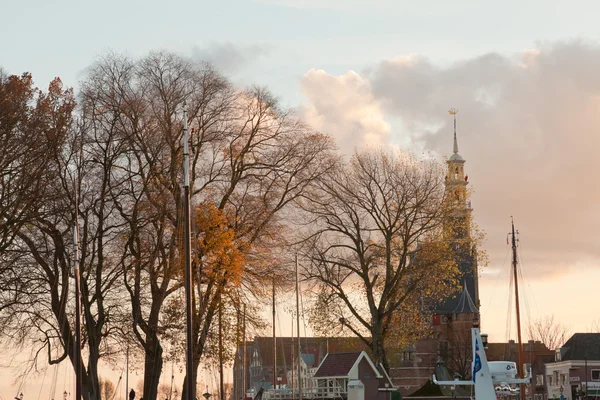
point(344, 107)
point(528, 126)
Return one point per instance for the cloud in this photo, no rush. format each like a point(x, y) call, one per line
point(343, 107)
point(228, 57)
point(528, 126)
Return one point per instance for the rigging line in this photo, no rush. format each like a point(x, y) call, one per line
point(498, 275)
point(526, 295)
point(54, 379)
point(42, 385)
point(509, 314)
point(533, 299)
point(116, 387)
point(281, 342)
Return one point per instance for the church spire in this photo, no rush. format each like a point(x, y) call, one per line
point(453, 112)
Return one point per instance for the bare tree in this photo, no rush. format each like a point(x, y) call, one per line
point(250, 161)
point(548, 330)
point(377, 245)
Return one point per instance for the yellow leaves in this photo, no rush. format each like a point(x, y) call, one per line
point(217, 252)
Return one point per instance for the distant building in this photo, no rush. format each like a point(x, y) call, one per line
point(259, 360)
point(535, 354)
point(339, 371)
point(575, 370)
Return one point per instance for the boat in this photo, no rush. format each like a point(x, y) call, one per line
point(491, 379)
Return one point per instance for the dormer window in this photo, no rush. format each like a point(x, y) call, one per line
point(557, 355)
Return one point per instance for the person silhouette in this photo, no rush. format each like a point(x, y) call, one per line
point(132, 395)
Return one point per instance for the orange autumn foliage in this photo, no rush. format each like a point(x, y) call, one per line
point(217, 252)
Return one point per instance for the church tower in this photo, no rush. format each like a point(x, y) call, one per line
point(467, 301)
point(456, 180)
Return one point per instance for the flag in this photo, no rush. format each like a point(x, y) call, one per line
point(476, 361)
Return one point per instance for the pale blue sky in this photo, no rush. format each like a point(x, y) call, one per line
point(61, 38)
point(543, 110)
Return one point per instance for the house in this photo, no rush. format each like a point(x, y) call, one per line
point(576, 368)
point(340, 372)
point(259, 369)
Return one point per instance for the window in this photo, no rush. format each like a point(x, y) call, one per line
point(549, 379)
point(539, 380)
point(555, 377)
point(563, 379)
point(443, 348)
point(596, 374)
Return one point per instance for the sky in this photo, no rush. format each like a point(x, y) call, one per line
point(524, 76)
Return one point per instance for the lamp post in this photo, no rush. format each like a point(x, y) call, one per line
point(562, 389)
point(279, 378)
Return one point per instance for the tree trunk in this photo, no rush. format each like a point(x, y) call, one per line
point(378, 347)
point(152, 367)
point(184, 394)
point(93, 384)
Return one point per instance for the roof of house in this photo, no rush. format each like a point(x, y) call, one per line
point(510, 351)
point(337, 364)
point(312, 347)
point(581, 346)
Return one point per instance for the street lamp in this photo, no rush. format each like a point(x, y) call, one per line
point(453, 387)
point(279, 378)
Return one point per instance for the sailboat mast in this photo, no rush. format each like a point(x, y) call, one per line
point(293, 368)
point(127, 374)
point(244, 355)
point(221, 382)
point(274, 341)
point(298, 328)
point(77, 273)
point(514, 263)
point(189, 365)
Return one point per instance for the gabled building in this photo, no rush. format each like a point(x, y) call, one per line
point(340, 371)
point(575, 371)
point(259, 360)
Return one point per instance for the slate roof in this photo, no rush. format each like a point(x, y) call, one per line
point(467, 266)
point(337, 364)
point(465, 303)
point(581, 346)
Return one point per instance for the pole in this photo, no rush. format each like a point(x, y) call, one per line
point(298, 328)
point(586, 379)
point(293, 368)
point(236, 375)
point(521, 358)
point(127, 374)
point(274, 341)
point(244, 355)
point(221, 384)
point(77, 273)
point(189, 365)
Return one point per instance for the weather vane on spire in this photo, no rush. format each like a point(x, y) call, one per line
point(453, 112)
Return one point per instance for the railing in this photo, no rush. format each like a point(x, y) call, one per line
point(308, 393)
